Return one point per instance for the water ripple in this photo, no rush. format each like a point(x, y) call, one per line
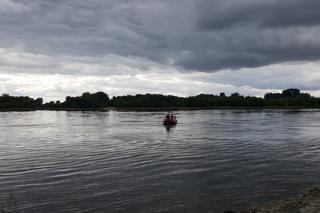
point(122, 162)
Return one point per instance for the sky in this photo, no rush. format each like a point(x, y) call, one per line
point(58, 48)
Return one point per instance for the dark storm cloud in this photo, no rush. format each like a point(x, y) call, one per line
point(204, 35)
point(257, 33)
point(259, 13)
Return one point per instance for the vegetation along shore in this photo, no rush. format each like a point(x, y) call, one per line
point(289, 98)
point(309, 202)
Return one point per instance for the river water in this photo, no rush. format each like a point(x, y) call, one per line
point(213, 160)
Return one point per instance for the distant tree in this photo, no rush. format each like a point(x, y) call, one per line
point(7, 102)
point(222, 94)
point(87, 100)
point(102, 99)
point(39, 101)
point(236, 94)
point(148, 100)
point(270, 96)
point(291, 93)
point(209, 100)
point(287, 98)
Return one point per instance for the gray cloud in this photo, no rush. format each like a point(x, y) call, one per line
point(201, 35)
point(259, 13)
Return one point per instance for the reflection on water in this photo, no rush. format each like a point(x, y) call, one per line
point(169, 128)
point(129, 162)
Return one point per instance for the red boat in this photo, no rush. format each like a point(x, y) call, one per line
point(172, 120)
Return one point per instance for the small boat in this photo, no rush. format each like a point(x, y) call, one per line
point(171, 120)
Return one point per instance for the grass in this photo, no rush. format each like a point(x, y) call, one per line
point(10, 205)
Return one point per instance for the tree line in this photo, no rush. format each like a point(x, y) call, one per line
point(287, 98)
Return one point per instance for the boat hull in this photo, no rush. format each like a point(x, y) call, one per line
point(170, 122)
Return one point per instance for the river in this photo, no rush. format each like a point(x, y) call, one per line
point(213, 160)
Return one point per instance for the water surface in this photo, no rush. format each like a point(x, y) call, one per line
point(128, 162)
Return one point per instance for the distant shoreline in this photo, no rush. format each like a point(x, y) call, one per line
point(100, 101)
point(146, 109)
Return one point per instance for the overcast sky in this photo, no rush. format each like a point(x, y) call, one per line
point(55, 48)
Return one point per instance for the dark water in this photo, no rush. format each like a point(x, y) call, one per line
point(128, 162)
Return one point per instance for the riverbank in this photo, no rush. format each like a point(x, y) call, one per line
point(309, 202)
point(288, 99)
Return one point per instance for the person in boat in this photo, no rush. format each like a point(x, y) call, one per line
point(170, 119)
point(167, 117)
